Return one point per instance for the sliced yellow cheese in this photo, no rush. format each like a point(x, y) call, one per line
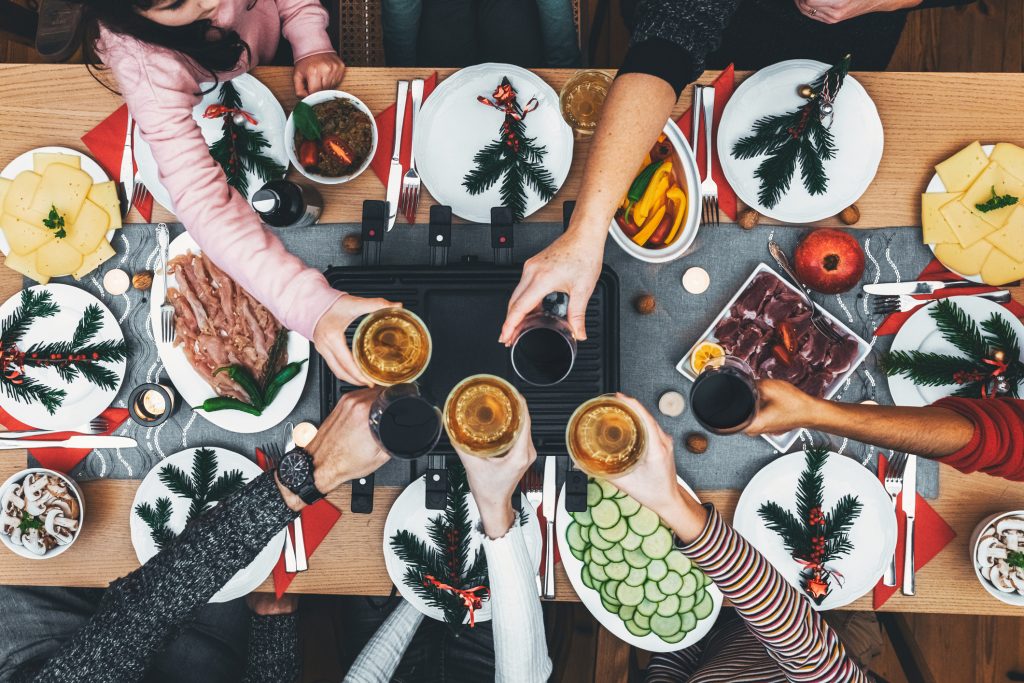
point(934, 227)
point(26, 265)
point(1010, 157)
point(23, 237)
point(960, 170)
point(92, 261)
point(20, 195)
point(63, 188)
point(105, 195)
point(5, 185)
point(964, 261)
point(1000, 269)
point(89, 229)
point(40, 160)
point(57, 258)
point(994, 177)
point(1010, 238)
point(967, 225)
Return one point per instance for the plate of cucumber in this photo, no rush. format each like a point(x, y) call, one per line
point(621, 561)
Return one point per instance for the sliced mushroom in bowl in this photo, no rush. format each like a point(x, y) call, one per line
point(41, 513)
point(998, 556)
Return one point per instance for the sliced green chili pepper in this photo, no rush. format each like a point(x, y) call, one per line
point(285, 375)
point(640, 183)
point(229, 403)
point(245, 380)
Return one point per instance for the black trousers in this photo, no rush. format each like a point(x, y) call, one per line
point(457, 33)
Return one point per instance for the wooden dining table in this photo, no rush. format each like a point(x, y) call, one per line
point(926, 118)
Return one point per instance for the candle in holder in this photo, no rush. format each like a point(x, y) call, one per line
point(151, 404)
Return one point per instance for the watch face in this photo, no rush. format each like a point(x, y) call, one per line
point(294, 469)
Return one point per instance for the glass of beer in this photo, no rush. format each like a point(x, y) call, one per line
point(405, 423)
point(484, 416)
point(582, 98)
point(724, 395)
point(544, 349)
point(605, 437)
point(392, 346)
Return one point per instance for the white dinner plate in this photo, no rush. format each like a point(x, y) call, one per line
point(920, 333)
point(23, 162)
point(84, 399)
point(873, 534)
point(453, 126)
point(191, 385)
point(409, 514)
point(592, 599)
point(257, 100)
point(858, 139)
point(246, 580)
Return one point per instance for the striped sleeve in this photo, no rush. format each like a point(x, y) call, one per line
point(795, 636)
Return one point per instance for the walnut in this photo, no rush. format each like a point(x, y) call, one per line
point(353, 243)
point(850, 214)
point(644, 304)
point(749, 219)
point(696, 442)
point(142, 280)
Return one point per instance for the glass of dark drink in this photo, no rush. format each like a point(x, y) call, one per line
point(405, 423)
point(544, 349)
point(724, 395)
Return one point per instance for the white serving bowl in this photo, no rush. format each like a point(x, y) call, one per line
point(688, 166)
point(75, 491)
point(289, 137)
point(1015, 599)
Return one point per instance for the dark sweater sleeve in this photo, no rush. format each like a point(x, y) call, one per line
point(672, 38)
point(273, 650)
point(997, 447)
point(141, 612)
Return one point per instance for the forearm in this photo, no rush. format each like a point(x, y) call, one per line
point(383, 653)
point(928, 431)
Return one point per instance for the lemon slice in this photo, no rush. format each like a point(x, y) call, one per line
point(705, 352)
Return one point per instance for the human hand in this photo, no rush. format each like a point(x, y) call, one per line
point(268, 605)
point(318, 72)
point(344, 448)
point(493, 480)
point(781, 408)
point(834, 11)
point(570, 264)
point(329, 335)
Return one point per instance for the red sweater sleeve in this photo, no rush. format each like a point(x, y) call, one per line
point(997, 447)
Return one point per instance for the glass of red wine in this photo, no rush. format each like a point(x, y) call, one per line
point(724, 395)
point(544, 349)
point(405, 423)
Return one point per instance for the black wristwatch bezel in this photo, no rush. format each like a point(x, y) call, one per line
point(295, 472)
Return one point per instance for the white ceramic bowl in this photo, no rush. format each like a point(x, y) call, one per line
point(1015, 599)
point(289, 137)
point(75, 491)
point(691, 222)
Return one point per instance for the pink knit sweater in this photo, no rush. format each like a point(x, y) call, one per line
point(160, 88)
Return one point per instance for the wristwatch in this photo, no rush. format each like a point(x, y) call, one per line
point(296, 473)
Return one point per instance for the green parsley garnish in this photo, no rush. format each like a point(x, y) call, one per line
point(55, 222)
point(30, 522)
point(996, 201)
point(1015, 558)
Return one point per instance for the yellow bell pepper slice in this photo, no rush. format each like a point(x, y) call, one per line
point(650, 226)
point(654, 194)
point(676, 195)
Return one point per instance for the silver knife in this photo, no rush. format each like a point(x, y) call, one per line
point(79, 441)
point(915, 287)
point(909, 509)
point(301, 561)
point(550, 504)
point(395, 174)
point(127, 178)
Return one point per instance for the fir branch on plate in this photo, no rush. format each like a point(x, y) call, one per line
point(925, 368)
point(31, 390)
point(35, 304)
point(158, 520)
point(240, 150)
point(785, 524)
point(1000, 335)
point(203, 488)
point(809, 487)
point(958, 328)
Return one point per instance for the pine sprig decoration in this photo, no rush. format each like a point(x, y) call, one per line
point(240, 150)
point(203, 488)
point(799, 136)
point(158, 519)
point(35, 304)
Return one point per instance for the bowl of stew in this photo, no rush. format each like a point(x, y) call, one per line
point(347, 137)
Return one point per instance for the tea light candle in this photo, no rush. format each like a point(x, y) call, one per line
point(151, 404)
point(302, 434)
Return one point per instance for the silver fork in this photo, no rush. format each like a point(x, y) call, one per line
point(534, 494)
point(409, 199)
point(139, 194)
point(893, 486)
point(166, 309)
point(274, 455)
point(904, 302)
point(708, 187)
point(97, 425)
point(817, 319)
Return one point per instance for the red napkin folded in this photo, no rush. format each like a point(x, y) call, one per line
point(936, 271)
point(62, 459)
point(931, 534)
point(381, 163)
point(106, 142)
point(317, 521)
point(723, 91)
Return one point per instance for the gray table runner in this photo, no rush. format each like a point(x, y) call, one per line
point(651, 345)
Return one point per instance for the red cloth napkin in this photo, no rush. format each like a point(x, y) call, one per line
point(381, 163)
point(106, 142)
point(317, 521)
point(931, 534)
point(936, 271)
point(723, 91)
point(62, 459)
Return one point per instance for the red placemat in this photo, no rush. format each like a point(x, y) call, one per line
point(63, 459)
point(724, 85)
point(381, 163)
point(106, 142)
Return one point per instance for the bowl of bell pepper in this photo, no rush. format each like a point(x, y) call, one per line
point(658, 218)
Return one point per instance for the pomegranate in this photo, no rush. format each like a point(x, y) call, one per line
point(829, 261)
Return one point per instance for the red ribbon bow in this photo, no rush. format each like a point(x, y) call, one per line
point(215, 111)
point(470, 599)
point(505, 101)
point(999, 367)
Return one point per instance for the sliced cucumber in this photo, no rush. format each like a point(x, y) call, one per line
point(572, 535)
point(576, 553)
point(658, 545)
point(666, 626)
point(617, 570)
point(627, 506)
point(631, 541)
point(689, 620)
point(626, 612)
point(702, 610)
point(629, 595)
point(621, 494)
point(616, 533)
point(608, 489)
point(674, 638)
point(583, 517)
point(594, 494)
point(637, 559)
point(597, 556)
point(707, 579)
point(598, 573)
point(688, 585)
point(636, 629)
point(585, 534)
point(671, 584)
point(678, 562)
point(608, 589)
point(657, 570)
point(587, 554)
point(644, 522)
point(636, 577)
point(652, 593)
point(585, 577)
point(699, 595)
point(641, 620)
point(597, 540)
point(606, 514)
point(614, 553)
point(646, 608)
point(686, 604)
point(668, 606)
point(612, 607)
